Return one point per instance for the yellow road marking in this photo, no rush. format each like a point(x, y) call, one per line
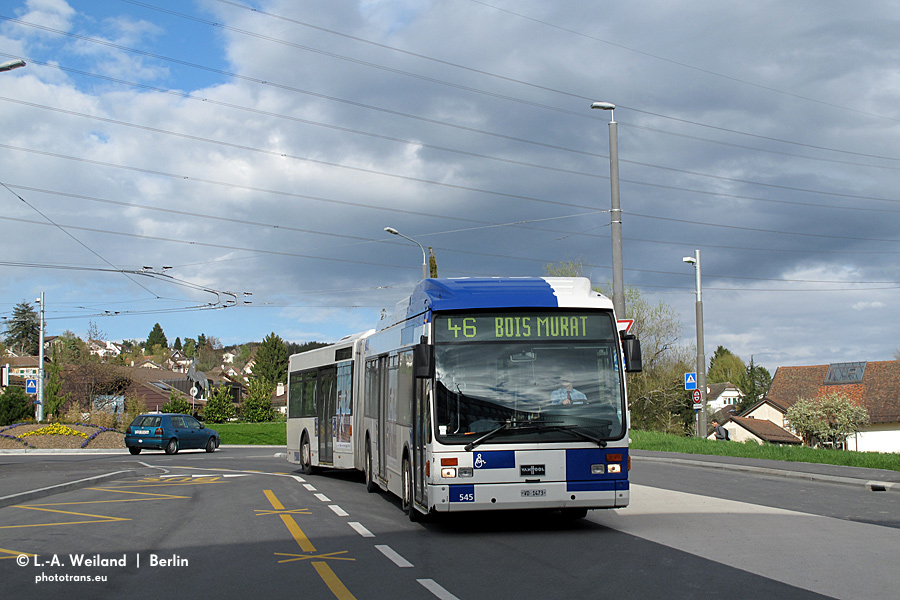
point(275, 502)
point(331, 580)
point(13, 553)
point(293, 511)
point(290, 523)
point(152, 497)
point(99, 518)
point(330, 556)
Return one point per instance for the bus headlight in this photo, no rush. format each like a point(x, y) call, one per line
point(598, 469)
point(448, 472)
point(614, 468)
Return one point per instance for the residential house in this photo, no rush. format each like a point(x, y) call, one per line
point(720, 395)
point(178, 362)
point(23, 366)
point(104, 348)
point(875, 385)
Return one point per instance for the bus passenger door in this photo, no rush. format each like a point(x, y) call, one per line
point(326, 410)
point(420, 438)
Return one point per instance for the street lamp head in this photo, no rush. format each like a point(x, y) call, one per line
point(689, 259)
point(392, 231)
point(12, 64)
point(603, 105)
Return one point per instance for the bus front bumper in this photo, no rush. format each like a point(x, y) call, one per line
point(513, 496)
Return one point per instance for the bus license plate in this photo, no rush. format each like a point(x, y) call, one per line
point(533, 493)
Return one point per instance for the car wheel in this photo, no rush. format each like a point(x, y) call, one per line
point(134, 449)
point(211, 444)
point(370, 482)
point(306, 456)
point(172, 446)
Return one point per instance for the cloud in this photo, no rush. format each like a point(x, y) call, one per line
point(267, 155)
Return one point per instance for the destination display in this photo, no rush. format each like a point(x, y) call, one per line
point(532, 326)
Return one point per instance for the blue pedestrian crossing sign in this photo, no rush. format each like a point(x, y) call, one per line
point(690, 381)
point(31, 386)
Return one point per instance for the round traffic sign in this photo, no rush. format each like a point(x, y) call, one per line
point(194, 391)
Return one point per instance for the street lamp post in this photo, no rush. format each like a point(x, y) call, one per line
point(615, 213)
point(393, 231)
point(701, 355)
point(40, 390)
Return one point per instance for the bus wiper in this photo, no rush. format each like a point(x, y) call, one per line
point(573, 430)
point(468, 447)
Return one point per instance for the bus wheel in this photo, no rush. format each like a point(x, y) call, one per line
point(306, 456)
point(370, 483)
point(406, 492)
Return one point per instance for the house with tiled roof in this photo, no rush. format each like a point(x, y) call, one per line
point(874, 385)
point(720, 395)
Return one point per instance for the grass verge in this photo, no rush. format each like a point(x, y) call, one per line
point(263, 434)
point(662, 442)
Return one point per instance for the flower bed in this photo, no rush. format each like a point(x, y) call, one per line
point(60, 436)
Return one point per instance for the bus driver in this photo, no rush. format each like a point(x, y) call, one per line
point(565, 394)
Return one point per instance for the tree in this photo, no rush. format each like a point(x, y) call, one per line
point(828, 419)
point(219, 407)
point(71, 350)
point(757, 385)
point(15, 406)
point(272, 360)
point(53, 396)
point(726, 367)
point(176, 403)
point(156, 338)
point(177, 344)
point(258, 405)
point(23, 330)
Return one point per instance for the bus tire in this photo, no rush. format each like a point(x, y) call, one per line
point(371, 487)
point(406, 500)
point(305, 456)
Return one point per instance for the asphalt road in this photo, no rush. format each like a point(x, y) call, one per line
point(242, 523)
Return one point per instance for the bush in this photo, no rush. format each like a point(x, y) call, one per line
point(258, 405)
point(219, 407)
point(15, 406)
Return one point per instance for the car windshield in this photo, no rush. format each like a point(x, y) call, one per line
point(516, 391)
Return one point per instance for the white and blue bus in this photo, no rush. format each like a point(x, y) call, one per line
point(477, 394)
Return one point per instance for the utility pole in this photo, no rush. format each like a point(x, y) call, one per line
point(40, 390)
point(701, 354)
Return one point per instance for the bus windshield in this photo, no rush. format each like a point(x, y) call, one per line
point(543, 389)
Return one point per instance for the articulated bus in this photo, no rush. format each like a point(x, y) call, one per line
point(477, 394)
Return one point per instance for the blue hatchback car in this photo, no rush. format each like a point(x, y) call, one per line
point(170, 432)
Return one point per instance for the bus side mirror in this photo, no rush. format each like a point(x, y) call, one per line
point(423, 361)
point(631, 347)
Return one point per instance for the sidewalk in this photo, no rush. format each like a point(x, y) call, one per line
point(873, 479)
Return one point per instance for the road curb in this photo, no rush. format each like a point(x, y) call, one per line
point(875, 486)
point(62, 487)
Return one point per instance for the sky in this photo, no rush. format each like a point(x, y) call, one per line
point(228, 167)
